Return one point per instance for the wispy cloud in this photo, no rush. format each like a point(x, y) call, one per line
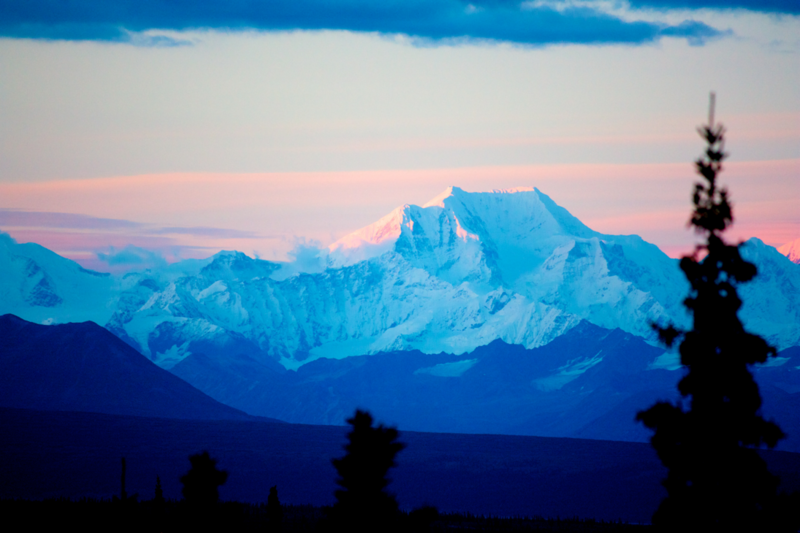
point(39, 219)
point(20, 218)
point(221, 233)
point(132, 256)
point(425, 21)
point(117, 245)
point(307, 256)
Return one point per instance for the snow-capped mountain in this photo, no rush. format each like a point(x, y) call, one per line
point(771, 302)
point(792, 251)
point(46, 288)
point(457, 273)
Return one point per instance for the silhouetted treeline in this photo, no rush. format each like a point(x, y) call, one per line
point(91, 515)
point(363, 502)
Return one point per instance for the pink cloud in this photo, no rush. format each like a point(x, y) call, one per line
point(86, 240)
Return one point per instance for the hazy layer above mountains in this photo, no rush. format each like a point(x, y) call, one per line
point(458, 273)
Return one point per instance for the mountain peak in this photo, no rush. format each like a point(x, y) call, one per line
point(458, 192)
point(792, 251)
point(520, 218)
point(438, 201)
point(370, 241)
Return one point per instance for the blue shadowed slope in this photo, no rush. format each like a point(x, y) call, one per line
point(83, 367)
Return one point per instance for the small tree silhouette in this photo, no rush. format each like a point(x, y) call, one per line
point(159, 493)
point(716, 479)
point(123, 494)
point(363, 503)
point(158, 508)
point(202, 481)
point(274, 509)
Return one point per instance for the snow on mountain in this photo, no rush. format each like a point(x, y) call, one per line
point(459, 272)
point(518, 248)
point(792, 251)
point(771, 301)
point(43, 287)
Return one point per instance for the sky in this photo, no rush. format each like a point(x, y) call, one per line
point(138, 133)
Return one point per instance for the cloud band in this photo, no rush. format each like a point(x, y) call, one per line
point(426, 21)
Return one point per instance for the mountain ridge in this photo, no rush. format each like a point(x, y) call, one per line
point(470, 296)
point(84, 367)
point(457, 273)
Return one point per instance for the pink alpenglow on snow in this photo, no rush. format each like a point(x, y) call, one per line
point(791, 250)
point(370, 241)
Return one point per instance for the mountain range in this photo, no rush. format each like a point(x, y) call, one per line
point(476, 303)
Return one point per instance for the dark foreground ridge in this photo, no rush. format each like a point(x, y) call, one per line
point(77, 455)
point(84, 367)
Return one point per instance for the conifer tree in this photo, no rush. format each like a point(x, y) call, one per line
point(123, 495)
point(201, 483)
point(708, 440)
point(363, 503)
point(274, 510)
point(159, 493)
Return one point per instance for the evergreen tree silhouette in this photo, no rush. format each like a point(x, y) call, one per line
point(158, 506)
point(123, 495)
point(274, 510)
point(159, 497)
point(201, 483)
point(362, 502)
point(123, 498)
point(716, 480)
point(421, 518)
